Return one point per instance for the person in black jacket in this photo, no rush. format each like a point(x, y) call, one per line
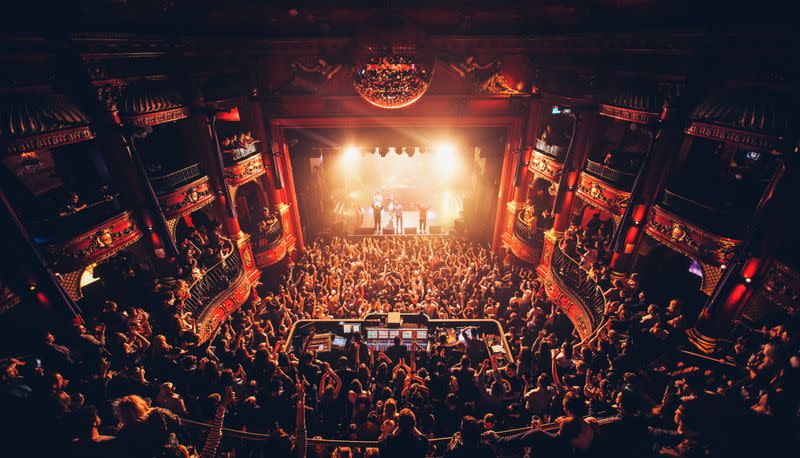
point(406, 441)
point(467, 443)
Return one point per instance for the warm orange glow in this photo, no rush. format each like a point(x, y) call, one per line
point(230, 115)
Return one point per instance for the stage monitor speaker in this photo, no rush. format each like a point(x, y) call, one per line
point(410, 230)
point(388, 231)
point(364, 231)
point(435, 230)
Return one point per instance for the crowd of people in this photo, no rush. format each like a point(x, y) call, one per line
point(126, 381)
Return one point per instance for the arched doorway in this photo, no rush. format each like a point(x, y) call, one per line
point(250, 205)
point(198, 219)
point(666, 274)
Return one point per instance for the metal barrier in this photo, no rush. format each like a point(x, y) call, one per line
point(163, 183)
point(62, 227)
point(572, 275)
point(216, 279)
point(235, 155)
point(554, 151)
point(716, 219)
point(620, 178)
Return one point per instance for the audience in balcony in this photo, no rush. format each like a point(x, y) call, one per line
point(72, 204)
point(647, 399)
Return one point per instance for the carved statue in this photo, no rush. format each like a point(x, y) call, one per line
point(312, 77)
point(486, 77)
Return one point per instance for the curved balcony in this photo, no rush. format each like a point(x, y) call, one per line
point(557, 152)
point(268, 236)
point(571, 275)
point(523, 231)
point(216, 280)
point(65, 227)
point(714, 218)
point(620, 179)
point(165, 183)
point(526, 243)
point(269, 245)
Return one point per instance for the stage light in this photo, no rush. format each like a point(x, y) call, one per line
point(445, 150)
point(351, 153)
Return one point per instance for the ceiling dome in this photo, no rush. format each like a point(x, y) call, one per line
point(394, 65)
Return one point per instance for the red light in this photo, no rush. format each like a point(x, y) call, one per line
point(42, 298)
point(737, 294)
point(230, 115)
point(750, 268)
point(639, 213)
point(571, 180)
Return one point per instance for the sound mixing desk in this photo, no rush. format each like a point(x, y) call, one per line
point(333, 338)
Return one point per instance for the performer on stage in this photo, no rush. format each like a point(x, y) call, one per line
point(398, 218)
point(423, 217)
point(377, 207)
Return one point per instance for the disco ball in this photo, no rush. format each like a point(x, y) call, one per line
point(393, 68)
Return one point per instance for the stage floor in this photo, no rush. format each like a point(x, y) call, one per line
point(410, 223)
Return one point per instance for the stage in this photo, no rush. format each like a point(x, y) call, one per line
point(365, 225)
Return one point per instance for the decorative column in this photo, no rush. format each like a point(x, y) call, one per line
point(522, 249)
point(506, 184)
point(573, 163)
point(129, 172)
point(280, 170)
point(747, 268)
point(646, 185)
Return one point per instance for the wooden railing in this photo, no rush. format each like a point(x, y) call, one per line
point(69, 225)
point(164, 183)
point(216, 280)
point(619, 178)
point(573, 276)
point(555, 151)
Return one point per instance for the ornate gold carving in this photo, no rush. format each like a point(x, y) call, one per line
point(49, 140)
point(613, 201)
point(689, 240)
point(726, 135)
point(159, 117)
point(626, 114)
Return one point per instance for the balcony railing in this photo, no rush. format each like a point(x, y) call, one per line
point(525, 232)
point(269, 236)
point(72, 224)
point(618, 178)
point(719, 220)
point(216, 280)
point(572, 275)
point(555, 151)
point(233, 156)
point(165, 183)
